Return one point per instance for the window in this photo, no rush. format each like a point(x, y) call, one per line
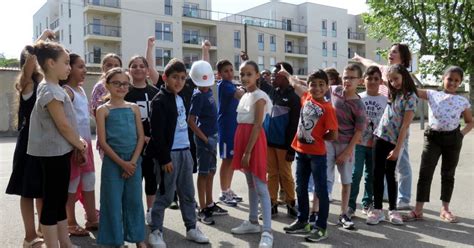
point(62, 10)
point(334, 29)
point(236, 61)
point(189, 59)
point(191, 9)
point(70, 34)
point(96, 27)
point(324, 64)
point(377, 55)
point(261, 64)
point(261, 45)
point(191, 36)
point(163, 31)
point(289, 46)
point(163, 56)
point(236, 39)
point(168, 7)
point(325, 48)
point(324, 27)
point(334, 49)
point(69, 8)
point(273, 43)
point(334, 65)
point(96, 55)
point(286, 24)
point(272, 61)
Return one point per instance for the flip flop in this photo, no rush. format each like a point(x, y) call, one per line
point(35, 243)
point(77, 231)
point(412, 216)
point(449, 217)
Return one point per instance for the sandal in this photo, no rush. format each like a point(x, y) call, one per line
point(92, 226)
point(35, 243)
point(412, 216)
point(447, 216)
point(77, 231)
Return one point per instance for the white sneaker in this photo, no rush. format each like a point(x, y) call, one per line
point(246, 227)
point(148, 217)
point(155, 239)
point(266, 241)
point(197, 236)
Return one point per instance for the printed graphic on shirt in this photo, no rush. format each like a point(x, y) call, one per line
point(374, 109)
point(309, 116)
point(144, 109)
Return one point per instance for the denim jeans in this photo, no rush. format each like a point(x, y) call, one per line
point(305, 166)
point(258, 192)
point(404, 175)
point(363, 156)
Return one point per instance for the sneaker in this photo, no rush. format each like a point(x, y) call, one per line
point(227, 199)
point(236, 197)
point(395, 218)
point(246, 227)
point(366, 209)
point(313, 218)
point(403, 206)
point(292, 211)
point(346, 222)
point(174, 205)
point(197, 236)
point(350, 212)
point(218, 211)
point(274, 212)
point(317, 234)
point(266, 241)
point(375, 217)
point(148, 217)
point(298, 227)
point(205, 216)
point(155, 239)
point(330, 197)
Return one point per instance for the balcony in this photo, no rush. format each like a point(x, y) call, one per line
point(102, 32)
point(242, 19)
point(54, 24)
point(300, 71)
point(95, 57)
point(197, 39)
point(356, 36)
point(296, 50)
point(102, 6)
point(351, 53)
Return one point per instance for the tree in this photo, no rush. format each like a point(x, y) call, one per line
point(443, 28)
point(9, 62)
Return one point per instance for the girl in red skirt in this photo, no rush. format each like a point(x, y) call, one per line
point(250, 152)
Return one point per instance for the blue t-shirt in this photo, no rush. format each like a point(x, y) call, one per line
point(203, 106)
point(181, 139)
point(227, 110)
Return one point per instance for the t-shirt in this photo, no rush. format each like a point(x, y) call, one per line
point(392, 118)
point(181, 139)
point(315, 120)
point(227, 108)
point(374, 108)
point(44, 138)
point(142, 97)
point(203, 106)
point(350, 114)
point(445, 110)
point(246, 107)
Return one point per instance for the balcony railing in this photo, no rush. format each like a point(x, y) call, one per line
point(300, 71)
point(296, 49)
point(197, 39)
point(103, 3)
point(96, 57)
point(242, 19)
point(356, 36)
point(54, 24)
point(103, 30)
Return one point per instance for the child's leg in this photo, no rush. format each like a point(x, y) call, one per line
point(345, 171)
point(273, 174)
point(253, 200)
point(71, 201)
point(390, 166)
point(380, 152)
point(331, 162)
point(405, 173)
point(286, 178)
point(303, 172)
point(261, 190)
point(133, 216)
point(88, 194)
point(28, 215)
point(318, 169)
point(202, 189)
point(449, 162)
point(368, 198)
point(150, 180)
point(210, 183)
point(183, 165)
point(357, 171)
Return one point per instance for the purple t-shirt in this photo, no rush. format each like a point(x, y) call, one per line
point(350, 114)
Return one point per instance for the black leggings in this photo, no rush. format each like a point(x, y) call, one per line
point(384, 168)
point(56, 173)
point(148, 173)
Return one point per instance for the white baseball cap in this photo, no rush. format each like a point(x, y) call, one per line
point(202, 74)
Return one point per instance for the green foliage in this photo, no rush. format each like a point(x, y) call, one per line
point(9, 62)
point(431, 27)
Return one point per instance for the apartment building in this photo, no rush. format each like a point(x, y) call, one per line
point(307, 35)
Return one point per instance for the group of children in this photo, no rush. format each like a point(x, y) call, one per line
point(149, 132)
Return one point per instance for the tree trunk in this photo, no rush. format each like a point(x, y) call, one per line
point(471, 90)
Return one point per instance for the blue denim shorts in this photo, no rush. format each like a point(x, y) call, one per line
point(206, 154)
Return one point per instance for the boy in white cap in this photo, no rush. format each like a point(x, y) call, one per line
point(203, 121)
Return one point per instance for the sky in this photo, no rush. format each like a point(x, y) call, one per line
point(17, 32)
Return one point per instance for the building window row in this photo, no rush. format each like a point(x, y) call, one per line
point(324, 28)
point(163, 31)
point(325, 49)
point(162, 56)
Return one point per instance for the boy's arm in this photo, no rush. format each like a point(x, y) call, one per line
point(196, 130)
point(205, 47)
point(299, 87)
